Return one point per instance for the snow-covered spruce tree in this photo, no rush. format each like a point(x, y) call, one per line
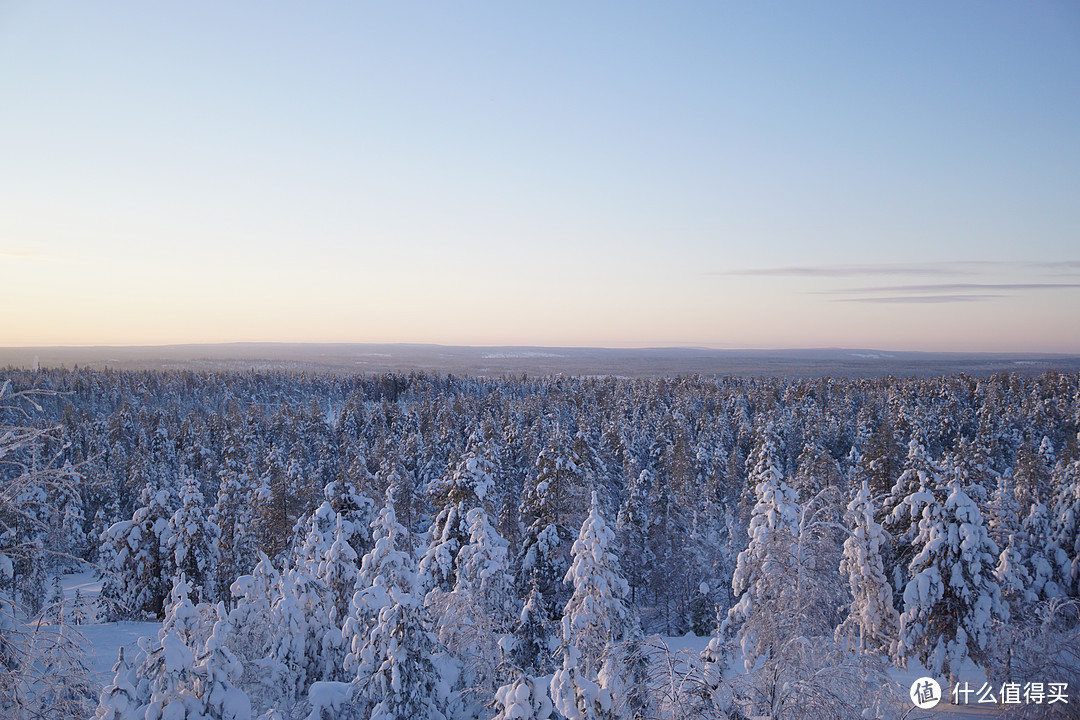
point(391, 651)
point(192, 540)
point(550, 507)
point(534, 636)
point(252, 631)
point(82, 609)
point(524, 699)
point(218, 672)
point(468, 484)
point(1031, 471)
point(168, 668)
point(920, 473)
point(234, 544)
point(273, 502)
point(634, 527)
point(483, 569)
point(1065, 532)
point(299, 619)
point(118, 700)
point(1025, 568)
point(880, 462)
point(762, 616)
point(872, 620)
point(339, 573)
point(137, 584)
point(595, 618)
point(1040, 553)
point(473, 619)
point(345, 501)
point(669, 576)
point(952, 598)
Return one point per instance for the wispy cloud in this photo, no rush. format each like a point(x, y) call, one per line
point(922, 299)
point(853, 270)
point(928, 269)
point(950, 287)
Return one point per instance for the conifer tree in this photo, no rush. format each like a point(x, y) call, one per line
point(596, 615)
point(871, 619)
point(1065, 531)
point(298, 618)
point(137, 582)
point(524, 699)
point(595, 619)
point(762, 616)
point(234, 544)
point(534, 636)
point(118, 700)
point(192, 540)
point(952, 598)
point(218, 673)
point(251, 619)
point(169, 666)
point(339, 573)
point(391, 651)
point(549, 508)
point(469, 484)
point(634, 527)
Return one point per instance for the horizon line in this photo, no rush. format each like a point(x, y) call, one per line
point(680, 346)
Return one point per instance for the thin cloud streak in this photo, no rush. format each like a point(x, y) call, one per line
point(922, 299)
point(853, 270)
point(959, 267)
point(950, 287)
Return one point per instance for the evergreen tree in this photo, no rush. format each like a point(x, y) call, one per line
point(218, 673)
point(192, 539)
point(472, 620)
point(1065, 533)
point(634, 527)
point(952, 599)
point(118, 700)
point(595, 619)
point(871, 619)
point(762, 617)
point(391, 651)
point(234, 544)
point(524, 699)
point(169, 666)
point(534, 636)
point(296, 646)
point(137, 583)
point(339, 574)
point(596, 615)
point(469, 484)
point(549, 509)
point(251, 619)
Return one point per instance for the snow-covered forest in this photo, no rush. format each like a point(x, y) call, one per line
point(421, 546)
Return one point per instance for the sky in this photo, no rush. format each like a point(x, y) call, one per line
point(900, 176)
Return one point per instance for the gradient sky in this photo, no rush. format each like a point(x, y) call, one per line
point(886, 175)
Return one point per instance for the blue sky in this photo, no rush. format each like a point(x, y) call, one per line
point(899, 176)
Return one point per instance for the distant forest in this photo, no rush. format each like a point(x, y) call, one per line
point(537, 523)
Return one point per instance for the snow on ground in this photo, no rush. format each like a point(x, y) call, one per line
point(104, 640)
